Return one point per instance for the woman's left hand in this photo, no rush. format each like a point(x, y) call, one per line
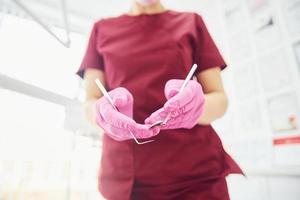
point(182, 109)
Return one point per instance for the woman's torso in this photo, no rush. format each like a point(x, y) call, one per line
point(141, 53)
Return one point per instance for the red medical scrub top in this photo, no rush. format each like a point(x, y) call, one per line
point(141, 53)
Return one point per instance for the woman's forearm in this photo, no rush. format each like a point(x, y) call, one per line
point(216, 104)
point(90, 110)
point(92, 93)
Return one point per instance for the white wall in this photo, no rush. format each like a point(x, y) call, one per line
point(259, 59)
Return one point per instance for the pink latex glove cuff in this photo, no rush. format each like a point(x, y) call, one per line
point(184, 108)
point(118, 123)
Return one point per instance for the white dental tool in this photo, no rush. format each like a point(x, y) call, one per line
point(106, 95)
point(188, 77)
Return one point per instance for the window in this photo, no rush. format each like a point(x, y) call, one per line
point(39, 157)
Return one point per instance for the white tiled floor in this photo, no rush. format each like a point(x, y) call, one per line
point(264, 188)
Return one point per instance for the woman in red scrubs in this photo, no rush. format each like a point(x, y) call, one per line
point(141, 51)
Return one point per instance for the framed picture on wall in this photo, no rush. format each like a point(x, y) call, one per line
point(274, 70)
point(257, 5)
point(292, 15)
point(234, 16)
point(296, 47)
point(284, 114)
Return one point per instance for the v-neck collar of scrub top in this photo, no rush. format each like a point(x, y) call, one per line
point(148, 15)
point(147, 21)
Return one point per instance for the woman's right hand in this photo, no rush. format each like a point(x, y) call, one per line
point(119, 123)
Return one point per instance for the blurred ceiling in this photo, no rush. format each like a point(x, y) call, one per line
point(78, 15)
point(81, 13)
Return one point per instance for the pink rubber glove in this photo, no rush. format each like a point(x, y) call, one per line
point(118, 123)
point(185, 107)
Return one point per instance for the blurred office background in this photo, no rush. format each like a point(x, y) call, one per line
point(48, 150)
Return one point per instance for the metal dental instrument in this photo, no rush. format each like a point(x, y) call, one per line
point(188, 77)
point(106, 95)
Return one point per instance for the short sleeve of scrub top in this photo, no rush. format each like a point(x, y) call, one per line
point(206, 53)
point(92, 57)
